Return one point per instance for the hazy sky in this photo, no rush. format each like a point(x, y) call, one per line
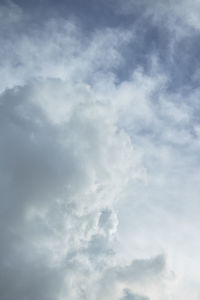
point(99, 150)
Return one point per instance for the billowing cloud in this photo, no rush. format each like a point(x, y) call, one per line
point(98, 171)
point(62, 166)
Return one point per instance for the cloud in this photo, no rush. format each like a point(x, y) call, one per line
point(182, 12)
point(95, 169)
point(62, 171)
point(70, 53)
point(129, 296)
point(139, 276)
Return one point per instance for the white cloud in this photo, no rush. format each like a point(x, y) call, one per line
point(80, 149)
point(63, 166)
point(60, 179)
point(147, 276)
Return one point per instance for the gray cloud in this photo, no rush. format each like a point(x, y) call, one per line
point(93, 162)
point(140, 273)
point(129, 296)
point(61, 172)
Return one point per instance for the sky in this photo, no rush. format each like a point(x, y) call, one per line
point(99, 150)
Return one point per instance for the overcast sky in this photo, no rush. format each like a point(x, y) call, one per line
point(99, 150)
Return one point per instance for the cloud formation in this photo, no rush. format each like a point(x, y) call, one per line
point(61, 169)
point(63, 166)
point(93, 162)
